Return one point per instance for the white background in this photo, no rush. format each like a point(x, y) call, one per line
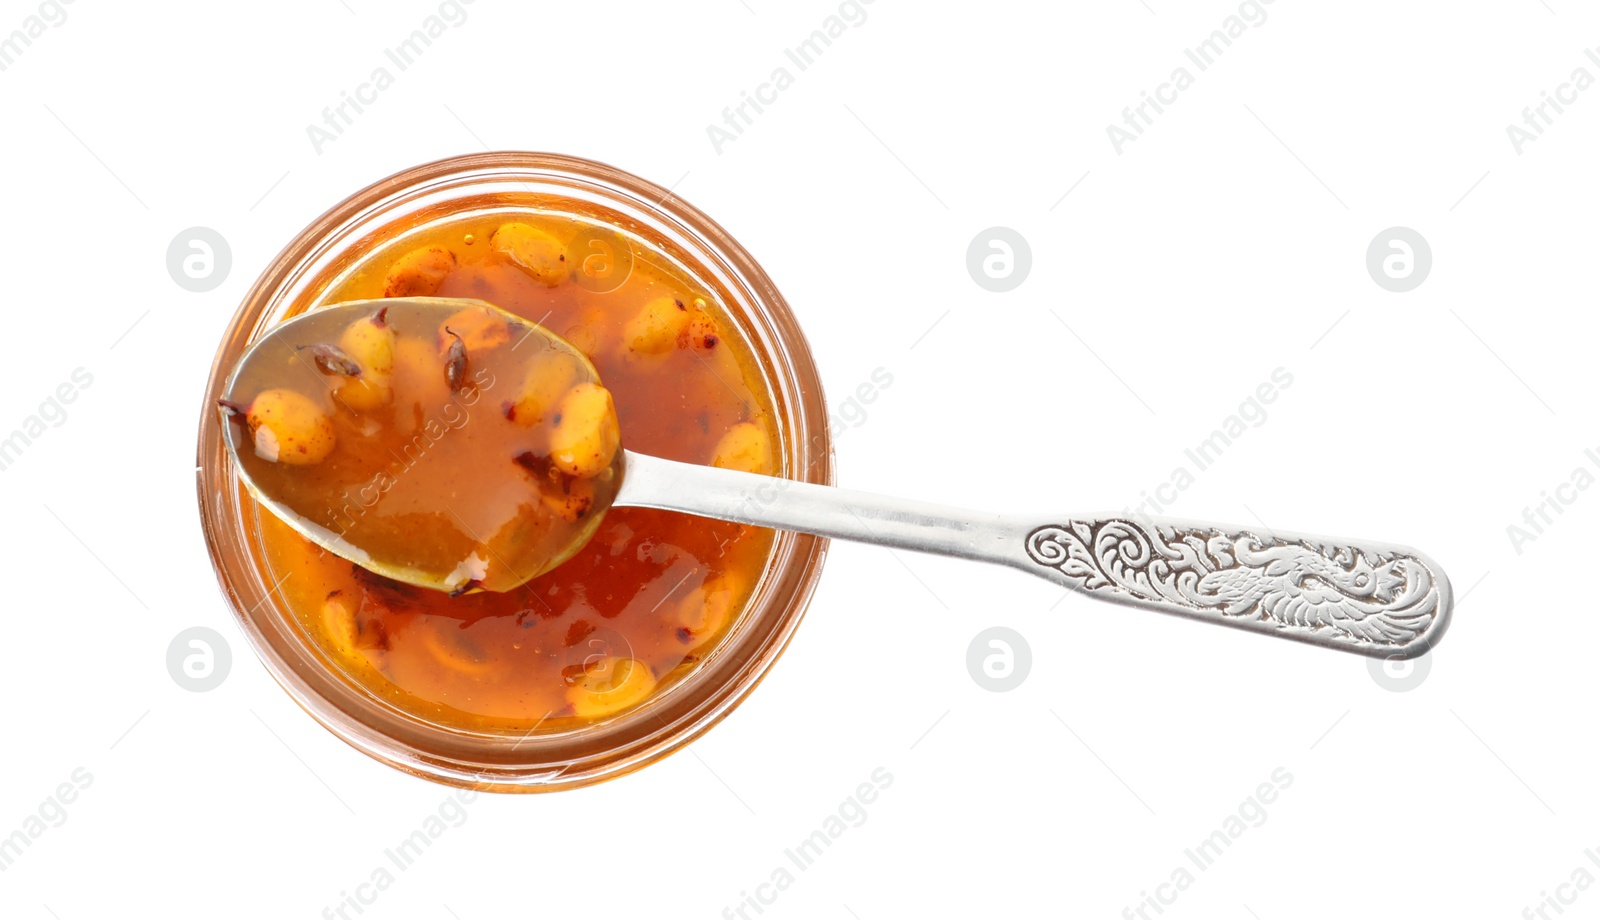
point(1228, 241)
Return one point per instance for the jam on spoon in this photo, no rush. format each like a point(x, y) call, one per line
point(364, 426)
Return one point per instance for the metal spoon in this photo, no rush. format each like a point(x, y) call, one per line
point(1375, 599)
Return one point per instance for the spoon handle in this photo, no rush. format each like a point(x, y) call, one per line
point(1375, 599)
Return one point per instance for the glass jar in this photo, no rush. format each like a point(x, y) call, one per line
point(540, 761)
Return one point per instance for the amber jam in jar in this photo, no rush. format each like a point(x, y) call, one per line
point(651, 587)
point(661, 621)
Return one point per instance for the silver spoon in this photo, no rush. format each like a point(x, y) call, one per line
point(1375, 599)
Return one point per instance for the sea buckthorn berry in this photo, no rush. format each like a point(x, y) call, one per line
point(568, 497)
point(584, 437)
point(532, 250)
point(704, 331)
point(370, 343)
point(288, 428)
point(584, 338)
point(609, 685)
point(746, 446)
point(548, 380)
point(419, 273)
point(339, 618)
point(702, 615)
point(452, 649)
point(365, 393)
point(656, 327)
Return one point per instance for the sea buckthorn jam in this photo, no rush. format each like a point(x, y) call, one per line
point(366, 424)
point(412, 407)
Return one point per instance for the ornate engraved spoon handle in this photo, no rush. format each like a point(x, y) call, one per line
point(1358, 596)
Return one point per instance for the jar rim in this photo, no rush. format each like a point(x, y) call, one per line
point(657, 727)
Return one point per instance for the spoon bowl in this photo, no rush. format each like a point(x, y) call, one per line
point(421, 438)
